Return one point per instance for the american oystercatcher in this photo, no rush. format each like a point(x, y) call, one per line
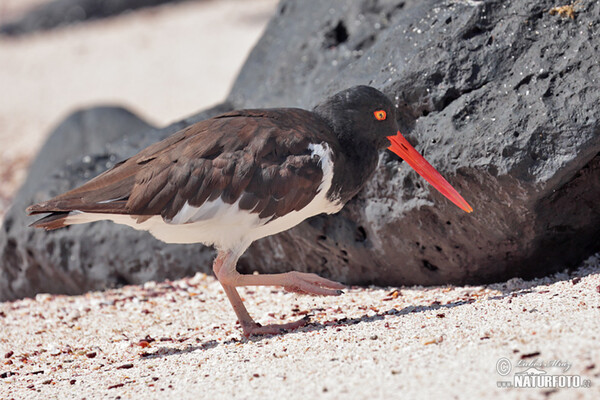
point(235, 178)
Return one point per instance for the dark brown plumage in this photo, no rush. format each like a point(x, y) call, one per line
point(256, 156)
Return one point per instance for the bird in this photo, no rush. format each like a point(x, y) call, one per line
point(243, 175)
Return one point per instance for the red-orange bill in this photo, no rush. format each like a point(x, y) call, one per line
point(408, 153)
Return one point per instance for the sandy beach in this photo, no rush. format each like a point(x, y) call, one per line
point(179, 339)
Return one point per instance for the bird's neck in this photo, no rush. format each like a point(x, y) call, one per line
point(357, 163)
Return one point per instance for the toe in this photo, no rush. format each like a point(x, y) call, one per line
point(274, 329)
point(314, 278)
point(313, 284)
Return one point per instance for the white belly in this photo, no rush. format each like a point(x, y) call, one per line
point(229, 228)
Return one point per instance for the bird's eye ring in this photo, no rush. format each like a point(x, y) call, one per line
point(380, 115)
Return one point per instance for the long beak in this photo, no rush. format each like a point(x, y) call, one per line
point(408, 153)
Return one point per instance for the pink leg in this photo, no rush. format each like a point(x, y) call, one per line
point(224, 268)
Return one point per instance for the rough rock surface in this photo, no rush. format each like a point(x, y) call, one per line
point(93, 256)
point(501, 98)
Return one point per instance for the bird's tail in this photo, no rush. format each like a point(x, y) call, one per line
point(53, 221)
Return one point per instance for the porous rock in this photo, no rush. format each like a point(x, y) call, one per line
point(500, 97)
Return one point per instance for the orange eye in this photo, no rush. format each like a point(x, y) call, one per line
point(379, 115)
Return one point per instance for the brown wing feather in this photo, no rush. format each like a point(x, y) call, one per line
point(117, 182)
point(258, 157)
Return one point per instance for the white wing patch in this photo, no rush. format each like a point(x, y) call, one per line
point(323, 151)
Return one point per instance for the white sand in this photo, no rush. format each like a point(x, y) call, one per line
point(437, 342)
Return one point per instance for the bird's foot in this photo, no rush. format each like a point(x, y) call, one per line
point(305, 283)
point(254, 328)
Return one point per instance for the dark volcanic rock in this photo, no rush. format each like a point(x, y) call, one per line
point(93, 256)
point(501, 97)
point(59, 13)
